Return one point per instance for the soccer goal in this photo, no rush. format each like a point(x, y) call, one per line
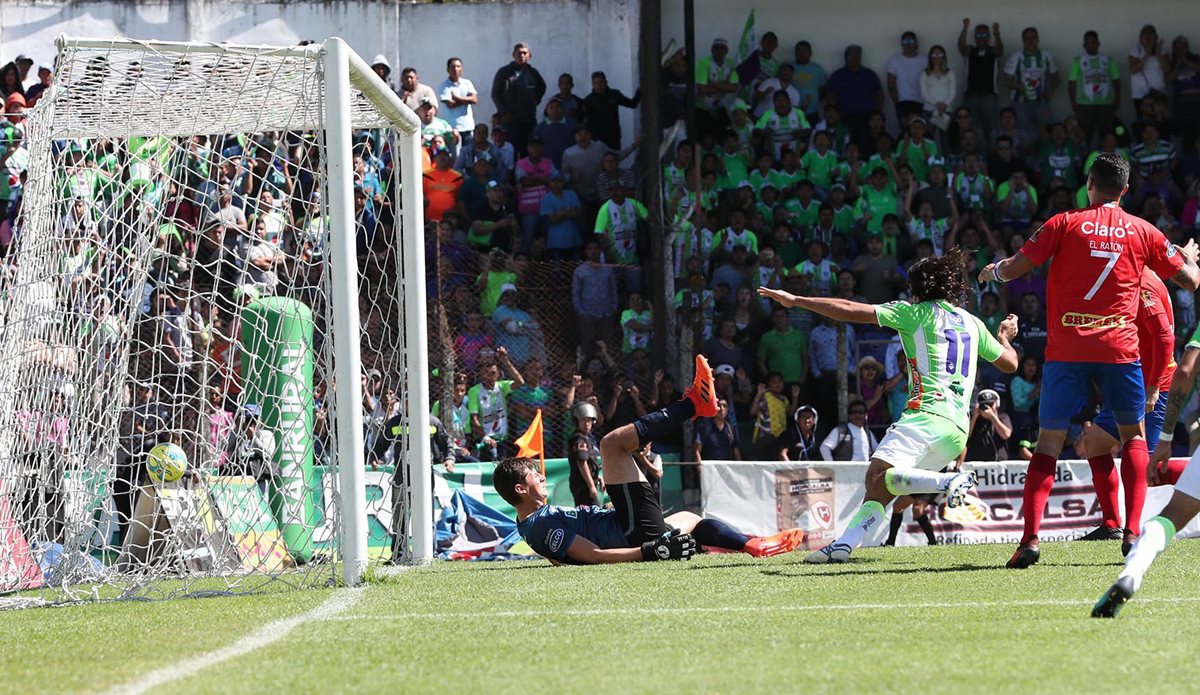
point(212, 326)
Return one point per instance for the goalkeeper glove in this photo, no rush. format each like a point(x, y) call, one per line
point(672, 545)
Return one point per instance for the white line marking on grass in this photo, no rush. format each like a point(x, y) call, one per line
point(746, 609)
point(340, 601)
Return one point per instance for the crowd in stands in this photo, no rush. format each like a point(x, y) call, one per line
point(792, 176)
point(795, 177)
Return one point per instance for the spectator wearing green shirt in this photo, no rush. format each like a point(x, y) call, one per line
point(735, 234)
point(803, 210)
point(787, 249)
point(783, 349)
point(525, 400)
point(844, 215)
point(733, 163)
point(878, 199)
point(637, 325)
point(916, 150)
point(783, 126)
point(820, 164)
point(617, 228)
point(1094, 87)
point(822, 271)
point(1017, 200)
point(492, 280)
point(1058, 158)
point(487, 402)
point(716, 85)
point(763, 174)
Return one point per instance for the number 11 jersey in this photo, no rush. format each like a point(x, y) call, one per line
point(941, 342)
point(1093, 287)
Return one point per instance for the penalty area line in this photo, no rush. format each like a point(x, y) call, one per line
point(745, 609)
point(341, 601)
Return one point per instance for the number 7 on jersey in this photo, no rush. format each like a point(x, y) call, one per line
point(1112, 258)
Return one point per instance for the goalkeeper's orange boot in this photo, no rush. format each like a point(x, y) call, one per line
point(703, 392)
point(778, 544)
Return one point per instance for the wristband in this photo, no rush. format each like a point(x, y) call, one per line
point(1164, 437)
point(996, 274)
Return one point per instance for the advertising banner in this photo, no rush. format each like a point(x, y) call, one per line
point(764, 497)
point(247, 518)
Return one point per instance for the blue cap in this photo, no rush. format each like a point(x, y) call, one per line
point(252, 410)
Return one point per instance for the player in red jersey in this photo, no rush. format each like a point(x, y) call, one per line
point(1156, 337)
point(1094, 287)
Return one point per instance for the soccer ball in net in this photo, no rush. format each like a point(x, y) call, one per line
point(166, 463)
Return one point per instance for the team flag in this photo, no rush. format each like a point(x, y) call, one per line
point(532, 442)
point(749, 41)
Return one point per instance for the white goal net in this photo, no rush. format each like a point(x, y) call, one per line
point(212, 326)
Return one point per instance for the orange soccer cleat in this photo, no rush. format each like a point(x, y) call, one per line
point(703, 393)
point(782, 542)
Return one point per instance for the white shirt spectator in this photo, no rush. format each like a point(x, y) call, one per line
point(939, 88)
point(861, 438)
point(769, 87)
point(461, 118)
point(1150, 77)
point(908, 74)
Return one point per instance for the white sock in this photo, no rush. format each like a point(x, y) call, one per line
point(866, 518)
point(915, 481)
point(1156, 533)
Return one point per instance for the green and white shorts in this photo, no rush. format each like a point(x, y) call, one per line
point(920, 440)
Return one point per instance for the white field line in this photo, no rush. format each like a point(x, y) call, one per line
point(745, 609)
point(341, 600)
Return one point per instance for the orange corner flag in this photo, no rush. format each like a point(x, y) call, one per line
point(531, 443)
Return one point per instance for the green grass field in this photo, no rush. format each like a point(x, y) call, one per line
point(893, 620)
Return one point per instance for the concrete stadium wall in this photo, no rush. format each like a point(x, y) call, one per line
point(575, 36)
point(579, 36)
point(876, 25)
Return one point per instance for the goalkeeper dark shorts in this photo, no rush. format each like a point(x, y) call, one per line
point(639, 513)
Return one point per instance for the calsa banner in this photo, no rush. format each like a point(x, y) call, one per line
point(764, 497)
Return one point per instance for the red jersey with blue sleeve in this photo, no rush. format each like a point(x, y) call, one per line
point(1156, 333)
point(1095, 280)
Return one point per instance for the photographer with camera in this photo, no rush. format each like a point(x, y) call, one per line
point(990, 429)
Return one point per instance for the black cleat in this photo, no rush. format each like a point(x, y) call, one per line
point(1117, 595)
point(1027, 555)
point(1103, 533)
point(1128, 538)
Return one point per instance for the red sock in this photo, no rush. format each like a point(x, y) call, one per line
point(1038, 482)
point(1134, 459)
point(1106, 480)
point(1174, 470)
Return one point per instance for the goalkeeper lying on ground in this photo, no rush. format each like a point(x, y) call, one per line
point(634, 529)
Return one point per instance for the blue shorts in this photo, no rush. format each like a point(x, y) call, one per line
point(1154, 421)
point(1067, 385)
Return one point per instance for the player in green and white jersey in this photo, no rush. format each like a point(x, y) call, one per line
point(941, 341)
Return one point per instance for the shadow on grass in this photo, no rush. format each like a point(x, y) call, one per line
point(849, 570)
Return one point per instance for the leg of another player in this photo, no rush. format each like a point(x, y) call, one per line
point(1098, 445)
point(1155, 537)
point(1135, 459)
point(897, 520)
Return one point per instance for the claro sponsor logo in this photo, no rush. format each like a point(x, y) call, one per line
point(1090, 228)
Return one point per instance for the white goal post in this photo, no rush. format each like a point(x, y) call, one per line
point(134, 296)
